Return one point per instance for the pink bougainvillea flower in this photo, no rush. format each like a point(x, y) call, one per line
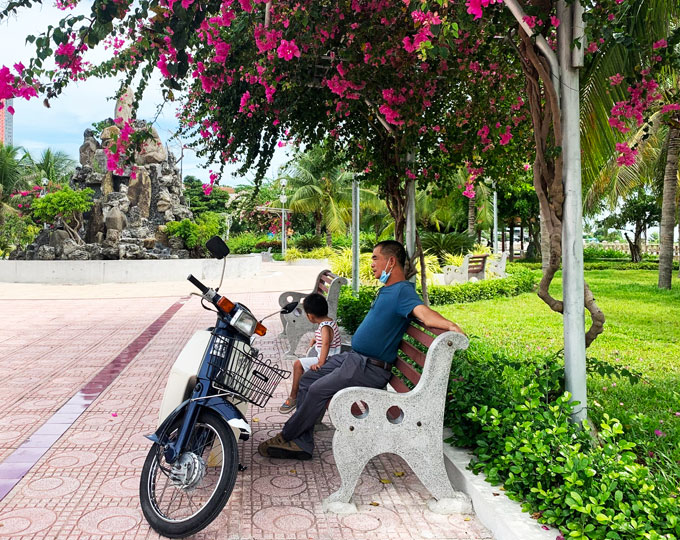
point(592, 47)
point(287, 50)
point(506, 137)
point(627, 155)
point(670, 107)
point(469, 191)
point(554, 21)
point(527, 166)
point(661, 44)
point(10, 109)
point(659, 433)
point(616, 79)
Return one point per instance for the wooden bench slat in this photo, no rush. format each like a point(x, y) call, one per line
point(414, 354)
point(398, 385)
point(407, 371)
point(419, 335)
point(322, 289)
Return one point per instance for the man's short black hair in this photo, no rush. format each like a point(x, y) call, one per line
point(392, 248)
point(315, 304)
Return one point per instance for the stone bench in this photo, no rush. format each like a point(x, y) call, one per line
point(498, 266)
point(406, 419)
point(296, 324)
point(473, 266)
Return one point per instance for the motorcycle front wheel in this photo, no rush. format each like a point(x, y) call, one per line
point(182, 498)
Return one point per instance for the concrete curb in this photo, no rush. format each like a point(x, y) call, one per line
point(502, 516)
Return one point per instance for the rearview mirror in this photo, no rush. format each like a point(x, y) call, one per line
point(217, 247)
point(288, 308)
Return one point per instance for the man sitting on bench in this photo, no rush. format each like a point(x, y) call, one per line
point(369, 363)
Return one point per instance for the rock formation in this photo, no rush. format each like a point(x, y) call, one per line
point(128, 217)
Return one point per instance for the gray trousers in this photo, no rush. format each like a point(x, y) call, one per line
point(317, 387)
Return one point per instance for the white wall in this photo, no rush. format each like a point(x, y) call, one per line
point(126, 271)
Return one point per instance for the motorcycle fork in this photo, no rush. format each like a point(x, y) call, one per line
point(173, 449)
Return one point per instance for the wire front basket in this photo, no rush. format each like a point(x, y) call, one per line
point(237, 370)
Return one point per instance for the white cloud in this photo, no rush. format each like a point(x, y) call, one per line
point(61, 126)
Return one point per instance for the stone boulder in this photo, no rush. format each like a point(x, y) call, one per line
point(139, 192)
point(115, 220)
point(88, 149)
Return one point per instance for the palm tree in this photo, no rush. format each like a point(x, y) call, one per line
point(14, 162)
point(321, 187)
point(56, 166)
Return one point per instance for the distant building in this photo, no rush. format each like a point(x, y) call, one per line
point(6, 123)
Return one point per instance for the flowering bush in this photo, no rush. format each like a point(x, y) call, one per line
point(514, 414)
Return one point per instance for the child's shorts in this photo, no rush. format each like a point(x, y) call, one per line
point(311, 360)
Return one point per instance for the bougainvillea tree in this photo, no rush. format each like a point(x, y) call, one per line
point(410, 89)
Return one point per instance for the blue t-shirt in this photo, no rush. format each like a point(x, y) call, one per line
point(380, 333)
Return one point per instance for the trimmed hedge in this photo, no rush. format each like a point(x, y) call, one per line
point(599, 265)
point(351, 310)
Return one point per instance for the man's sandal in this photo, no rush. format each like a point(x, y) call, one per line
point(278, 447)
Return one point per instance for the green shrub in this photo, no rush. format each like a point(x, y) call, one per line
point(591, 253)
point(66, 203)
point(308, 242)
point(439, 244)
point(16, 232)
point(601, 265)
point(196, 233)
point(517, 283)
point(266, 244)
point(341, 241)
point(293, 254)
point(341, 264)
point(515, 414)
point(245, 243)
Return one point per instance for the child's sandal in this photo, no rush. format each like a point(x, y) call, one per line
point(288, 406)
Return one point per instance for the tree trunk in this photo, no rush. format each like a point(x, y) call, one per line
point(512, 241)
point(472, 215)
point(667, 225)
point(318, 220)
point(329, 238)
point(423, 277)
point(547, 123)
point(635, 247)
point(503, 239)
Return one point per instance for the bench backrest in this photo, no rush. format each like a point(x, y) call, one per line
point(323, 282)
point(413, 353)
point(477, 264)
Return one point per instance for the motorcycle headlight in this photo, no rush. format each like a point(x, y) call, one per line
point(244, 322)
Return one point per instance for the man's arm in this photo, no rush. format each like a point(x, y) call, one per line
point(429, 317)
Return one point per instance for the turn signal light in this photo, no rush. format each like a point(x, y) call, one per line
point(225, 304)
point(260, 330)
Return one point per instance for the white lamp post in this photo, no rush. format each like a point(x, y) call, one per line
point(283, 200)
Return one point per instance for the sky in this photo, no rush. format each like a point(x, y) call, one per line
point(61, 127)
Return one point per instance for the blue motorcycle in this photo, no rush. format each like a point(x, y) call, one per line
point(190, 470)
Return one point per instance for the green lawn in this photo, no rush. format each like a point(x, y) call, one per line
point(642, 330)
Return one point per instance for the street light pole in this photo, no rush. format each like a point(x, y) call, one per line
point(283, 200)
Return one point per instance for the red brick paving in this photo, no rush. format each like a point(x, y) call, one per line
point(85, 484)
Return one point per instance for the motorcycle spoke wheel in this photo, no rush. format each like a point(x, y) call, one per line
point(182, 498)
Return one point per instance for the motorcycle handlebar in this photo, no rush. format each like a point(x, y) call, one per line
point(198, 284)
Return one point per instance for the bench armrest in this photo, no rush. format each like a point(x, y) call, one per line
point(291, 296)
point(377, 400)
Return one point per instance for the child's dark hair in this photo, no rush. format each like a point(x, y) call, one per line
point(315, 304)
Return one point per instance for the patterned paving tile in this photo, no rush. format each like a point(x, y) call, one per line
point(86, 484)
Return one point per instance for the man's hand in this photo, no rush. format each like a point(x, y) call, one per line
point(315, 367)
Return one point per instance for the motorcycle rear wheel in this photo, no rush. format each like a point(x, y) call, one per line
point(181, 499)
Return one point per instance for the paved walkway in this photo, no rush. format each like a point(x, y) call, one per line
point(81, 380)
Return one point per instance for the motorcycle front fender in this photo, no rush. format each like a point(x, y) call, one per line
point(225, 409)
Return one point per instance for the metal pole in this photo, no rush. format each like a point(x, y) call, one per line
point(495, 220)
point(355, 237)
point(572, 224)
point(283, 231)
